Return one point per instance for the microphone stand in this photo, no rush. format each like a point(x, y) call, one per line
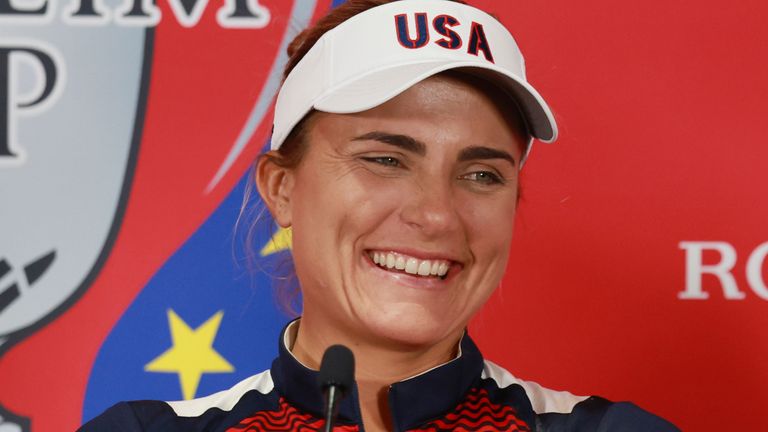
point(331, 407)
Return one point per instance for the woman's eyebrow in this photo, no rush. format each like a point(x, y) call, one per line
point(478, 152)
point(404, 142)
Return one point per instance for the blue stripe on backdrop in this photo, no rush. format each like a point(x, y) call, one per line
point(199, 306)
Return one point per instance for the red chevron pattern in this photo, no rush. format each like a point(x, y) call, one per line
point(477, 414)
point(286, 418)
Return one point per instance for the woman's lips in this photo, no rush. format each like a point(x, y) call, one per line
point(403, 263)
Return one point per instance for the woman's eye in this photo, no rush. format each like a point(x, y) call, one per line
point(383, 160)
point(484, 177)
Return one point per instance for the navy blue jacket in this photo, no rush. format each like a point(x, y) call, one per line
point(467, 394)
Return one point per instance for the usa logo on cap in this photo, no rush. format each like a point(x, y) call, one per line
point(444, 26)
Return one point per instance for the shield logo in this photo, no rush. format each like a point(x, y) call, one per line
point(72, 130)
point(70, 145)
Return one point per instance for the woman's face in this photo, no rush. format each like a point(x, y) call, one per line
point(402, 215)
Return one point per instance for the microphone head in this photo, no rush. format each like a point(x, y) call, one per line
point(337, 368)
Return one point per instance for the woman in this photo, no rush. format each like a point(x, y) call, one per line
point(399, 134)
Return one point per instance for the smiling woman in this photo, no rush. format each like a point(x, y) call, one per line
point(424, 195)
point(400, 132)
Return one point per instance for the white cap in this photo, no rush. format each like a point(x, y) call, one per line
point(377, 54)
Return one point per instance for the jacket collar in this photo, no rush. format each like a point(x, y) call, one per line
point(413, 401)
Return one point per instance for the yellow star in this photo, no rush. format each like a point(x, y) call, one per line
point(280, 241)
point(192, 353)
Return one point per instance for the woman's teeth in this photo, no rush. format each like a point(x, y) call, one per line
point(410, 265)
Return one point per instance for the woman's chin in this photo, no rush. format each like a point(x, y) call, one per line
point(412, 326)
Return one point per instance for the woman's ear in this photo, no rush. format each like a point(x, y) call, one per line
point(275, 184)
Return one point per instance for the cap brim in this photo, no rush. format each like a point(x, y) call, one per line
point(373, 89)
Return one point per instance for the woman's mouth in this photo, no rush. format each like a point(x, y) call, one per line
point(396, 262)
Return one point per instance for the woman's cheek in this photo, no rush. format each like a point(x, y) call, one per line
point(375, 193)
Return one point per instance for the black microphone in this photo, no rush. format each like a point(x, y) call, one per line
point(336, 378)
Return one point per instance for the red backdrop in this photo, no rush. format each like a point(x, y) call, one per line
point(660, 111)
point(660, 105)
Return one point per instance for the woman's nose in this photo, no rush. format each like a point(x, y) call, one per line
point(430, 209)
